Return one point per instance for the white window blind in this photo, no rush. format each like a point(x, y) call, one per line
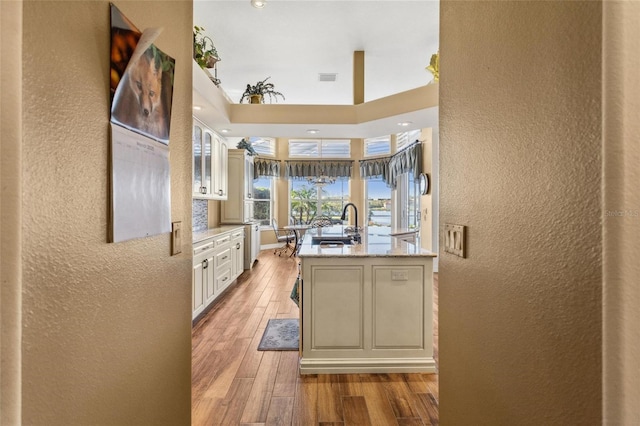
point(264, 146)
point(319, 148)
point(377, 146)
point(304, 148)
point(405, 138)
point(336, 149)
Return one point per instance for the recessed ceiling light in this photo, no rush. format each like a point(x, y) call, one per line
point(197, 108)
point(225, 130)
point(313, 131)
point(404, 123)
point(258, 4)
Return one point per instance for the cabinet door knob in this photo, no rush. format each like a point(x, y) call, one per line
point(249, 195)
point(219, 191)
point(238, 246)
point(205, 264)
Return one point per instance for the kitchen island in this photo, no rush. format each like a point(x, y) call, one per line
point(365, 307)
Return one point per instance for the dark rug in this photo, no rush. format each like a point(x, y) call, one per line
point(280, 335)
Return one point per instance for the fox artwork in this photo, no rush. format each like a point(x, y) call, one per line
point(143, 104)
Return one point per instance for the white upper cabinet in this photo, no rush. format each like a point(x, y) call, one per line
point(209, 163)
point(239, 205)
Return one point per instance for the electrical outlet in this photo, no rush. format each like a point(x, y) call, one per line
point(455, 239)
point(176, 238)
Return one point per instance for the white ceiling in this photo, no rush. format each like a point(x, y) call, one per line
point(294, 41)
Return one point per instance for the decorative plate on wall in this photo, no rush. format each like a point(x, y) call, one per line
point(425, 186)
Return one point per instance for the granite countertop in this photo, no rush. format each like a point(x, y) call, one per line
point(373, 244)
point(403, 231)
point(199, 236)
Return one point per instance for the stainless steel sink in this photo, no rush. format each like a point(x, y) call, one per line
point(331, 240)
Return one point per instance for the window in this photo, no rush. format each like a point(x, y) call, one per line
point(408, 202)
point(263, 200)
point(308, 200)
point(377, 146)
point(407, 206)
point(319, 148)
point(263, 146)
point(378, 203)
point(406, 138)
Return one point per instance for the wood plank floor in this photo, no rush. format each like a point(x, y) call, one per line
point(235, 384)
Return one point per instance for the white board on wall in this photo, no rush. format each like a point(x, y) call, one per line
point(140, 186)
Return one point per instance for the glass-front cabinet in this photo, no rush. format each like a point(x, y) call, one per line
point(209, 163)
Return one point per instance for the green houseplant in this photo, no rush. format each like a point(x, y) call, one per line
point(204, 51)
point(256, 94)
point(245, 144)
point(434, 66)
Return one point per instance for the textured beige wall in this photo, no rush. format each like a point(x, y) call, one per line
point(10, 211)
point(106, 327)
point(520, 166)
point(621, 303)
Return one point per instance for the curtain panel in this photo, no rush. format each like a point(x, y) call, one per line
point(266, 168)
point(389, 168)
point(330, 168)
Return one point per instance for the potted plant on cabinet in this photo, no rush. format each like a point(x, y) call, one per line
point(204, 51)
point(434, 66)
point(245, 144)
point(255, 94)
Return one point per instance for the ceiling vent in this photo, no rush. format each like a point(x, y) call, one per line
point(327, 76)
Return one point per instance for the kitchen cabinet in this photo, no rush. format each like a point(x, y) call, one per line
point(203, 276)
point(238, 207)
point(237, 253)
point(365, 307)
point(222, 262)
point(251, 244)
point(217, 262)
point(209, 163)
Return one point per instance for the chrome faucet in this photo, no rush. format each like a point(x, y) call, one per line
point(356, 236)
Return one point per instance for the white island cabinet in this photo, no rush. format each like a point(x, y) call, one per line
point(366, 308)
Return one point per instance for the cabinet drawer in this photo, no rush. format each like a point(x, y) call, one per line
point(238, 234)
point(223, 279)
point(223, 257)
point(201, 248)
point(223, 240)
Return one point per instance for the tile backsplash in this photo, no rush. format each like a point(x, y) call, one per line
point(200, 215)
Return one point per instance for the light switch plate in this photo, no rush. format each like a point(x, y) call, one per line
point(455, 239)
point(176, 238)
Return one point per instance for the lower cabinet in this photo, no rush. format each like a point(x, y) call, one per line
point(197, 289)
point(217, 262)
point(237, 254)
point(366, 315)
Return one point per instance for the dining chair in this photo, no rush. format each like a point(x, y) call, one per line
point(283, 236)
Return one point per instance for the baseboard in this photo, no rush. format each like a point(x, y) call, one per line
point(367, 365)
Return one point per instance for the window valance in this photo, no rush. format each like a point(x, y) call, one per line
point(330, 168)
point(266, 168)
point(389, 168)
point(375, 167)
